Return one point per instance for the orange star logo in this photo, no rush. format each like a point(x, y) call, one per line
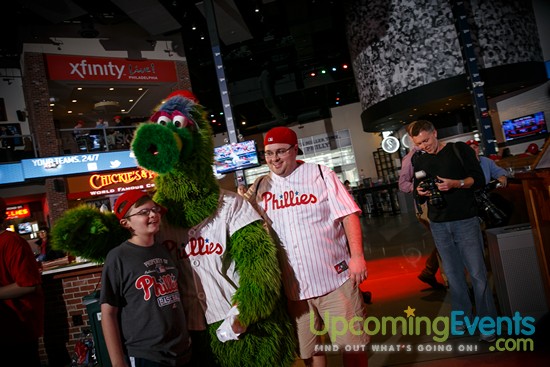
point(409, 311)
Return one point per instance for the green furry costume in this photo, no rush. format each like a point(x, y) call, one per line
point(179, 148)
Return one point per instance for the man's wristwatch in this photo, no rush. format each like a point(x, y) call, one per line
point(461, 183)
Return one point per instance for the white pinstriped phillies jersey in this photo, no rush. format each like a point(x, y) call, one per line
point(201, 249)
point(305, 210)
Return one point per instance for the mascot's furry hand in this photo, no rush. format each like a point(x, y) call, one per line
point(178, 146)
point(85, 231)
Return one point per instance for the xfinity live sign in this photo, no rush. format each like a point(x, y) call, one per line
point(513, 333)
point(69, 67)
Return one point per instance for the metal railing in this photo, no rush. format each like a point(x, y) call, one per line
point(96, 139)
point(14, 148)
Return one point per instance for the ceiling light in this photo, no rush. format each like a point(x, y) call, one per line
point(106, 106)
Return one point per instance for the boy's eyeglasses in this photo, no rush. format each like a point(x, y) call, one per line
point(278, 152)
point(146, 212)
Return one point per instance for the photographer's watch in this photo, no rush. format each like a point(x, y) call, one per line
point(461, 183)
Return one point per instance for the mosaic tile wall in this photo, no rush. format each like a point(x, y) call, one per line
point(399, 45)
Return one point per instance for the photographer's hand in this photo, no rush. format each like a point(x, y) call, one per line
point(503, 181)
point(446, 184)
point(422, 192)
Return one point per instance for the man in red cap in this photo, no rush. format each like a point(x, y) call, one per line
point(141, 286)
point(21, 299)
point(315, 219)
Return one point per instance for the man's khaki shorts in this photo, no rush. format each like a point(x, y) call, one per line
point(328, 319)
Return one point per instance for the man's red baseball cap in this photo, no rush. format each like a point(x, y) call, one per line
point(281, 135)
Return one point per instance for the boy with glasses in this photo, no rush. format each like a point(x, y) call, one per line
point(143, 318)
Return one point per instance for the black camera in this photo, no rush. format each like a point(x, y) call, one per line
point(488, 210)
point(430, 184)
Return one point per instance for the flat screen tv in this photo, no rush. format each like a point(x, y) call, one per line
point(24, 228)
point(236, 156)
point(524, 127)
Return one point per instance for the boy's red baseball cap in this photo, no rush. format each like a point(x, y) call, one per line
point(125, 201)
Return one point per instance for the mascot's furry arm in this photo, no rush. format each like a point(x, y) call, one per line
point(85, 231)
point(178, 146)
point(255, 259)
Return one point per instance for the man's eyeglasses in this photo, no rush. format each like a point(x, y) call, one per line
point(278, 152)
point(146, 212)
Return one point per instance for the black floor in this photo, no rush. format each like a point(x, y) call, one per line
point(396, 248)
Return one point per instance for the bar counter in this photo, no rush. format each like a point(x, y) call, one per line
point(66, 318)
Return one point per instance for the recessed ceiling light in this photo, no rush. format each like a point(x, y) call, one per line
point(111, 88)
point(74, 101)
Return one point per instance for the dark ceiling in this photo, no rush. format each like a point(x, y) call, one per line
point(270, 49)
point(284, 60)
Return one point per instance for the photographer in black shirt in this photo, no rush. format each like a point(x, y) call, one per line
point(450, 174)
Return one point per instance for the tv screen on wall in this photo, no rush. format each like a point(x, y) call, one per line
point(24, 228)
point(521, 128)
point(236, 156)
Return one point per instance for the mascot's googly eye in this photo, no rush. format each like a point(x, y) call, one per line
point(161, 117)
point(180, 120)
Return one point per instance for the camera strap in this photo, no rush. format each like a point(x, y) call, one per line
point(455, 149)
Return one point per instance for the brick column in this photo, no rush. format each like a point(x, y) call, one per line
point(184, 81)
point(42, 126)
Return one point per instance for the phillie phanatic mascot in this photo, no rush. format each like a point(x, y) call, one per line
point(233, 280)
